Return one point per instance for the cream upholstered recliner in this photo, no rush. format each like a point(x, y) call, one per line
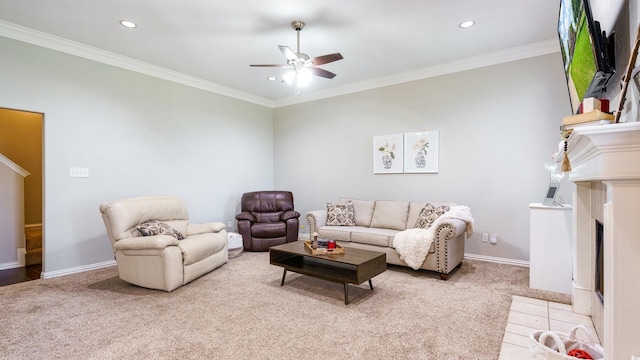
point(162, 261)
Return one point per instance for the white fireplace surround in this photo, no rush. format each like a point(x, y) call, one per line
point(605, 162)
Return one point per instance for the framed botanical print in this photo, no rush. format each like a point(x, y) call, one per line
point(388, 154)
point(421, 152)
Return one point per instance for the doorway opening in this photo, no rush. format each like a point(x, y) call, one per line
point(21, 141)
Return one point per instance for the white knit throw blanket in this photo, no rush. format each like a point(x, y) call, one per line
point(413, 244)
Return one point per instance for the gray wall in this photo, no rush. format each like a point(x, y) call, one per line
point(498, 125)
point(138, 135)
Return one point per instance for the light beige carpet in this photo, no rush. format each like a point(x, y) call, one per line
point(240, 311)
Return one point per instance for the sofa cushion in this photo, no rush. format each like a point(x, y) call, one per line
point(156, 227)
point(340, 215)
point(363, 210)
point(269, 230)
point(373, 236)
point(342, 233)
point(429, 214)
point(390, 215)
point(201, 246)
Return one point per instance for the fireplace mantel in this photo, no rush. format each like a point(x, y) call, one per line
point(608, 157)
point(605, 152)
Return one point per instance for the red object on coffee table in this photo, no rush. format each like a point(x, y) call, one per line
point(579, 354)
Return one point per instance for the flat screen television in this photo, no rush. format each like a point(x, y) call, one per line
point(587, 52)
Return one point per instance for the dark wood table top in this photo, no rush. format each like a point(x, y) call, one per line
point(350, 256)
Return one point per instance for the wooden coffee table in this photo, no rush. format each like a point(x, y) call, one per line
point(355, 266)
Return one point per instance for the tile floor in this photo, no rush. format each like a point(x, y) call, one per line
point(527, 315)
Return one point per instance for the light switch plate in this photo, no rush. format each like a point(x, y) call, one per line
point(79, 172)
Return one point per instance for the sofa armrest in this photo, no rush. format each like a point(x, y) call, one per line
point(157, 242)
point(449, 245)
point(210, 227)
point(316, 219)
point(453, 228)
point(290, 214)
point(245, 215)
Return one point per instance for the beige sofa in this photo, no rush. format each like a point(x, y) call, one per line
point(377, 223)
point(162, 261)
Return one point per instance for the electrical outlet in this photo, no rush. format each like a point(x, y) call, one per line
point(229, 224)
point(485, 237)
point(79, 172)
point(494, 239)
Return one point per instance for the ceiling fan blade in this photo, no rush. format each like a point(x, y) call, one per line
point(288, 53)
point(325, 59)
point(321, 72)
point(270, 65)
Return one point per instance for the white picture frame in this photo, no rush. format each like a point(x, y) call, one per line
point(421, 152)
point(388, 153)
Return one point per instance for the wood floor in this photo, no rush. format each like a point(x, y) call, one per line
point(17, 275)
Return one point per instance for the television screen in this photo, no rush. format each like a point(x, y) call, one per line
point(584, 51)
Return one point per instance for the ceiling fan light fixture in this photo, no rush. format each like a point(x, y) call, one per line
point(289, 77)
point(304, 77)
point(302, 67)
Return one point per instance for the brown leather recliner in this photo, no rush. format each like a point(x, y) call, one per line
point(267, 219)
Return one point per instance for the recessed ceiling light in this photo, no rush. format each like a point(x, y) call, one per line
point(271, 78)
point(128, 24)
point(466, 24)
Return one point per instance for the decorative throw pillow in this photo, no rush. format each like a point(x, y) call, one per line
point(155, 227)
point(340, 215)
point(429, 214)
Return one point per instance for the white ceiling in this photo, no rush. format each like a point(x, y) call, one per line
point(217, 40)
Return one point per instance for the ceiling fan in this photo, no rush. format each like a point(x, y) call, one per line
point(302, 67)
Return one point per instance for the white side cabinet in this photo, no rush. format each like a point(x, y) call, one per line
point(551, 253)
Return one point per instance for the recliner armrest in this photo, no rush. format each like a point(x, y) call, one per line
point(245, 215)
point(158, 242)
point(210, 227)
point(290, 214)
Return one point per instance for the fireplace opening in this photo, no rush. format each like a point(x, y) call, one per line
point(599, 284)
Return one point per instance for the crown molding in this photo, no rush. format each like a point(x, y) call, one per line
point(49, 41)
point(475, 62)
point(34, 37)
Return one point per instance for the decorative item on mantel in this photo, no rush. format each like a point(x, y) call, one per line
point(626, 79)
point(566, 165)
point(593, 117)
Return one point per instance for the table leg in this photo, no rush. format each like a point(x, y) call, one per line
point(346, 294)
point(284, 274)
point(370, 284)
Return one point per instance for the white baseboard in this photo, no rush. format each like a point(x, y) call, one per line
point(496, 260)
point(15, 264)
point(305, 236)
point(10, 265)
point(75, 270)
